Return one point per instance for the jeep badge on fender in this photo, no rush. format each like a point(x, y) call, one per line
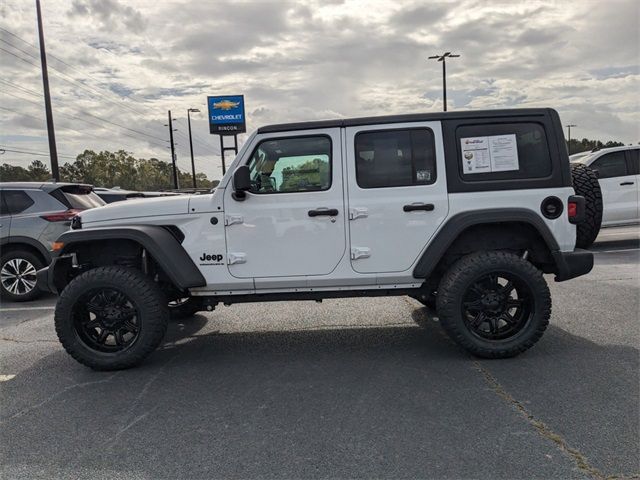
point(462, 211)
point(211, 258)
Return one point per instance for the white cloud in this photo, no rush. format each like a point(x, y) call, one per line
point(309, 60)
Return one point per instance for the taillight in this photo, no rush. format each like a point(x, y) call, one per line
point(576, 210)
point(65, 216)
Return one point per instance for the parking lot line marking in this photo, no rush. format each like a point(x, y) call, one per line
point(6, 378)
point(616, 251)
point(617, 234)
point(20, 309)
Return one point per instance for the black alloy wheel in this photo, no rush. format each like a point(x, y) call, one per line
point(106, 320)
point(497, 306)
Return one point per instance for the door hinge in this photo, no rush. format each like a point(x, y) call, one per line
point(231, 219)
point(360, 252)
point(358, 212)
point(233, 258)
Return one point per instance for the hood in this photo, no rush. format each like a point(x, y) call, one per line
point(136, 208)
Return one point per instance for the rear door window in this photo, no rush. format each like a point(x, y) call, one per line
point(395, 158)
point(610, 165)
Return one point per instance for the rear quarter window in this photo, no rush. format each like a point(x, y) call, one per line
point(15, 201)
point(503, 151)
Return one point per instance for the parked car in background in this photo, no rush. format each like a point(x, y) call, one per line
point(32, 216)
point(115, 194)
point(618, 171)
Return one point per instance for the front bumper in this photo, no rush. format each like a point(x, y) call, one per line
point(572, 264)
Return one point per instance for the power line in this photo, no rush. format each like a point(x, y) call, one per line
point(109, 121)
point(203, 143)
point(73, 117)
point(195, 135)
point(93, 91)
point(84, 74)
point(2, 147)
point(20, 88)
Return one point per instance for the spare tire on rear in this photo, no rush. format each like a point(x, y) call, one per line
point(585, 183)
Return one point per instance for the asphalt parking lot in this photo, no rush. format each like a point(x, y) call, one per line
point(347, 388)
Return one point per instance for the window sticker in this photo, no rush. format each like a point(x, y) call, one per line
point(423, 176)
point(496, 153)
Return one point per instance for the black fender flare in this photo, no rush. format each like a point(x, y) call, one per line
point(460, 222)
point(17, 240)
point(159, 242)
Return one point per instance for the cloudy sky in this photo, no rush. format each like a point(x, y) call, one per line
point(116, 66)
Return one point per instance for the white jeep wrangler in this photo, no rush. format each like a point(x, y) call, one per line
point(463, 211)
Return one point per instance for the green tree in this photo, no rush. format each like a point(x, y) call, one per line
point(108, 169)
point(584, 145)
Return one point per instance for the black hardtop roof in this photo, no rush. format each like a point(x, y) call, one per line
point(406, 118)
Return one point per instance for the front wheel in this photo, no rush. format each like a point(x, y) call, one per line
point(110, 318)
point(494, 304)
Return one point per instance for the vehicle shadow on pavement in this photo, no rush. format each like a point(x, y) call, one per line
point(382, 402)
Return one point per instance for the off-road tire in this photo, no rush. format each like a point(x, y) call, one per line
point(463, 274)
point(143, 293)
point(184, 309)
point(21, 256)
point(585, 183)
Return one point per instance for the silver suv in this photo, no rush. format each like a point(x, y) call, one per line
point(32, 216)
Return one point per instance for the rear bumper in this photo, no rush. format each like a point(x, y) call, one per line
point(572, 264)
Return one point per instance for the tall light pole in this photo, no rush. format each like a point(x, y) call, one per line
point(193, 165)
point(51, 134)
point(442, 58)
point(569, 135)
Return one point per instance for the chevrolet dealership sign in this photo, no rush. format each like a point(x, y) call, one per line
point(226, 115)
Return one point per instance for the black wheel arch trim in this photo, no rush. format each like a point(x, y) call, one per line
point(161, 244)
point(18, 240)
point(460, 222)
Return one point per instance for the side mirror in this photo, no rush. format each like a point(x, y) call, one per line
point(241, 182)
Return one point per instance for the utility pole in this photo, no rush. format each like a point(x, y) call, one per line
point(53, 151)
point(193, 165)
point(173, 154)
point(569, 135)
point(442, 58)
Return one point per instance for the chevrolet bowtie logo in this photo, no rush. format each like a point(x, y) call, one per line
point(225, 104)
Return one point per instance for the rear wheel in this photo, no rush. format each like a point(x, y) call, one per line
point(111, 318)
point(494, 304)
point(585, 183)
point(18, 276)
